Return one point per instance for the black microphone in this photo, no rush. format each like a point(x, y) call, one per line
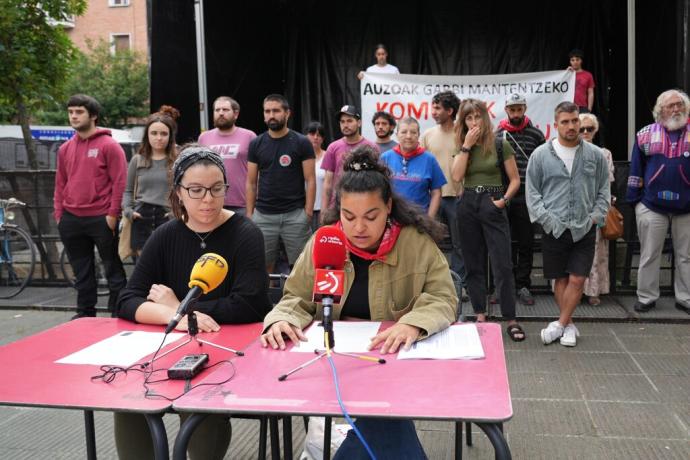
point(207, 274)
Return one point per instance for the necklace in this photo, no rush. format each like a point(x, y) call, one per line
point(203, 238)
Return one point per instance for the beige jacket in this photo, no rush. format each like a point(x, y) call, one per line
point(413, 286)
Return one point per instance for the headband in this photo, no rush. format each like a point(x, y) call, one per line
point(192, 155)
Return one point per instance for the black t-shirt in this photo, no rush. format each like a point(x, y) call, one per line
point(281, 178)
point(170, 254)
point(357, 303)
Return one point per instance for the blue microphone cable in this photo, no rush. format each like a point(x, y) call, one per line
point(342, 405)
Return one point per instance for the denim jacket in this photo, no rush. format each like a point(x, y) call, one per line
point(560, 201)
point(412, 286)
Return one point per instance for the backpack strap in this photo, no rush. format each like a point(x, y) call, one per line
point(500, 162)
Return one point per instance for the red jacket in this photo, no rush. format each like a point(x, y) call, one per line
point(91, 176)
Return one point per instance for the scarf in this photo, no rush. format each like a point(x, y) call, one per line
point(654, 140)
point(505, 124)
point(390, 237)
point(409, 155)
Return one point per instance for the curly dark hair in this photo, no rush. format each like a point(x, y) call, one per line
point(364, 173)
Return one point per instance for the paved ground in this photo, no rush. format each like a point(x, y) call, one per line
point(622, 393)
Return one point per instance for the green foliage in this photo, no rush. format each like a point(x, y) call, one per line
point(118, 81)
point(34, 54)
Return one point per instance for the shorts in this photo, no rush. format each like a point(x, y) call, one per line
point(293, 227)
point(563, 257)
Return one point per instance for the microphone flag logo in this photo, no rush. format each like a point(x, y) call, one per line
point(328, 283)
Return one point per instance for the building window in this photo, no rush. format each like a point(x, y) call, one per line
point(119, 43)
point(115, 3)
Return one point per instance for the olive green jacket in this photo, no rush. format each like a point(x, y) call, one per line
point(413, 286)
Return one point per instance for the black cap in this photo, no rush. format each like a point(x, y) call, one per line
point(349, 110)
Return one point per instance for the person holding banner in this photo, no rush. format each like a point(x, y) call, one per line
point(482, 163)
point(382, 65)
point(417, 175)
point(394, 272)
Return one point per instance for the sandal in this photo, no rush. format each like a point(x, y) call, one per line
point(516, 333)
point(594, 301)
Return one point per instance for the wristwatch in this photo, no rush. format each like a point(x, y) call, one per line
point(506, 200)
point(464, 149)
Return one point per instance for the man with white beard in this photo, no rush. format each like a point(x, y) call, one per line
point(659, 188)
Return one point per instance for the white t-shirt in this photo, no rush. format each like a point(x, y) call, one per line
point(388, 68)
point(320, 175)
point(567, 154)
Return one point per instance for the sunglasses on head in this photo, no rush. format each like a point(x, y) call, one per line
point(587, 129)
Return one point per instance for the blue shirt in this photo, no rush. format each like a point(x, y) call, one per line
point(560, 201)
point(416, 181)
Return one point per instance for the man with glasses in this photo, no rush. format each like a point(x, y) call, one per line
point(659, 188)
point(350, 124)
point(281, 161)
point(415, 173)
point(518, 130)
point(231, 142)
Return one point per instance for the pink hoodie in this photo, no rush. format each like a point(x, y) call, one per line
point(91, 176)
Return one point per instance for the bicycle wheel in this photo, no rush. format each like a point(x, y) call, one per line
point(17, 260)
point(68, 273)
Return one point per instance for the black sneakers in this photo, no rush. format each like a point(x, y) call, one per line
point(644, 307)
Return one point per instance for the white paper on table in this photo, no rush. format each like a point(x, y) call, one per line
point(460, 341)
point(122, 349)
point(350, 336)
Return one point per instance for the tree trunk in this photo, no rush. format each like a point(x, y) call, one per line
point(26, 132)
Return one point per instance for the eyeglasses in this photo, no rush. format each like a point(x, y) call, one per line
point(404, 163)
point(675, 105)
point(198, 192)
point(587, 129)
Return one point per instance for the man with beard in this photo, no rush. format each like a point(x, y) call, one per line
point(568, 193)
point(440, 141)
point(524, 137)
point(232, 144)
point(89, 183)
point(659, 188)
point(282, 162)
point(384, 127)
point(350, 124)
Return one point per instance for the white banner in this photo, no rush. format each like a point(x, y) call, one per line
point(410, 95)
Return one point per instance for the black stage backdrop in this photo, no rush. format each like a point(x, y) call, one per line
point(311, 51)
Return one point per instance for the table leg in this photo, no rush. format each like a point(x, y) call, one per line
point(458, 440)
point(184, 435)
point(327, 438)
point(263, 434)
point(287, 437)
point(158, 435)
point(275, 438)
point(89, 427)
point(493, 432)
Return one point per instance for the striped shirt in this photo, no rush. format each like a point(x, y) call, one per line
point(523, 142)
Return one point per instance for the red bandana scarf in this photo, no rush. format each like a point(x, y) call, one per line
point(390, 237)
point(409, 155)
point(505, 124)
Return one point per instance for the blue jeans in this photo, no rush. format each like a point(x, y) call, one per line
point(448, 211)
point(389, 439)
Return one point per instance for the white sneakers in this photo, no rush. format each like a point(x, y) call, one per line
point(568, 335)
point(552, 332)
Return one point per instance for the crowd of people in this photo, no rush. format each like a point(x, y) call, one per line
point(245, 197)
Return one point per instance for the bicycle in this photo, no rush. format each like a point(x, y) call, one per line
point(68, 273)
point(17, 252)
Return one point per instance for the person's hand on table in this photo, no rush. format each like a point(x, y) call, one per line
point(162, 294)
point(274, 335)
point(391, 339)
point(204, 322)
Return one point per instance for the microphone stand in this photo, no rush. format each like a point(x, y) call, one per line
point(192, 331)
point(329, 343)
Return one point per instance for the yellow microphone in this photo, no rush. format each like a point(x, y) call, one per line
point(208, 272)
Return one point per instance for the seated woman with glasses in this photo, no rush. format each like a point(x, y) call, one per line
point(394, 272)
point(161, 277)
point(482, 219)
point(416, 175)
